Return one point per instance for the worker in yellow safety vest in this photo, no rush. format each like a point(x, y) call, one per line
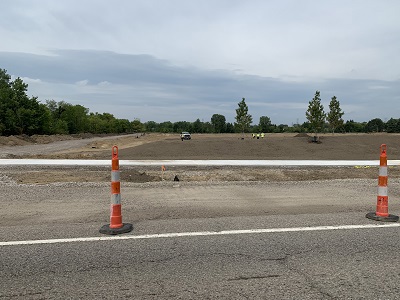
point(258, 136)
point(262, 135)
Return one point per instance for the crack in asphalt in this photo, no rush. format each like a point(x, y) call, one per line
point(254, 277)
point(307, 277)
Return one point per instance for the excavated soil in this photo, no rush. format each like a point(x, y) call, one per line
point(201, 147)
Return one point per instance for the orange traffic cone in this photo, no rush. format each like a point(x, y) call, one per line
point(382, 213)
point(116, 226)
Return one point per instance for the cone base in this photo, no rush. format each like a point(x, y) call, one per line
point(126, 227)
point(389, 218)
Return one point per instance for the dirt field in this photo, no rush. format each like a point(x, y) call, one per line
point(202, 146)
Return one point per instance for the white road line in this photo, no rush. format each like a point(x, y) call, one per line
point(201, 233)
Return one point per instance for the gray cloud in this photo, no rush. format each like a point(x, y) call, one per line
point(328, 39)
point(142, 86)
point(182, 60)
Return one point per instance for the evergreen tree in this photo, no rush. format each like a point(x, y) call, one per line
point(315, 113)
point(335, 114)
point(243, 119)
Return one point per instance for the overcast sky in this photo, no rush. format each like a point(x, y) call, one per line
point(182, 60)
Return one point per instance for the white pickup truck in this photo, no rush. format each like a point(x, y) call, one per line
point(185, 136)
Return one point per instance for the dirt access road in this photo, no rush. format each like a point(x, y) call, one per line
point(202, 146)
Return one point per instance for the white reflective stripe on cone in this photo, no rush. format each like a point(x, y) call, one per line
point(383, 171)
point(116, 199)
point(382, 191)
point(115, 176)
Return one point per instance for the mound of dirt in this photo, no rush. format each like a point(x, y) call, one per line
point(129, 175)
point(23, 140)
point(12, 141)
point(302, 134)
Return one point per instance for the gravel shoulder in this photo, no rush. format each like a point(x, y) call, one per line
point(89, 202)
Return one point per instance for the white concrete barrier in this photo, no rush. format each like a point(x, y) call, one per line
point(267, 163)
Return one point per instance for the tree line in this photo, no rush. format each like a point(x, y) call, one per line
point(20, 114)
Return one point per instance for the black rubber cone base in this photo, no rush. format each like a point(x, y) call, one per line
point(389, 218)
point(113, 231)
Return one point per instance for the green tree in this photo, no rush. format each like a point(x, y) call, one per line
point(122, 126)
point(166, 127)
point(335, 114)
point(393, 125)
point(207, 127)
point(5, 95)
point(281, 128)
point(315, 113)
point(103, 123)
point(219, 123)
point(20, 114)
point(351, 126)
point(243, 118)
point(96, 123)
point(151, 126)
point(182, 126)
point(197, 126)
point(375, 125)
point(109, 121)
point(265, 124)
point(75, 117)
point(230, 128)
point(137, 126)
point(306, 126)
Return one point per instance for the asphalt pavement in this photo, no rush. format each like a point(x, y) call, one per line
point(340, 263)
point(241, 240)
